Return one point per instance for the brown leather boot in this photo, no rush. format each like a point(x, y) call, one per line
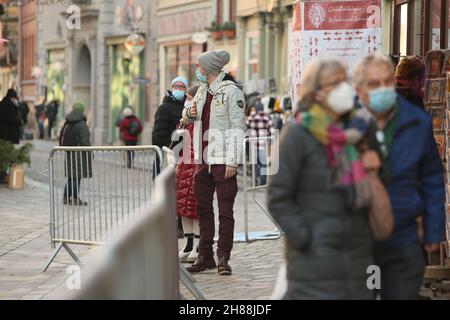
point(202, 264)
point(224, 268)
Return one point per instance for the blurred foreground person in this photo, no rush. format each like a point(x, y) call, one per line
point(412, 172)
point(317, 196)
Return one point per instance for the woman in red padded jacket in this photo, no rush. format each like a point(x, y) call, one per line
point(186, 205)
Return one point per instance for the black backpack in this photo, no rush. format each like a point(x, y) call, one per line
point(66, 136)
point(133, 127)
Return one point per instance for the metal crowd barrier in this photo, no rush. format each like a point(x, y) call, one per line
point(266, 144)
point(169, 160)
point(114, 183)
point(142, 261)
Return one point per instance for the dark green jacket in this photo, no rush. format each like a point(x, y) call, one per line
point(328, 246)
point(76, 133)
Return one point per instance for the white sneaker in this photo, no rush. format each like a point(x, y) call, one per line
point(193, 256)
point(183, 256)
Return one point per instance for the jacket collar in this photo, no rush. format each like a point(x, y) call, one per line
point(407, 114)
point(215, 85)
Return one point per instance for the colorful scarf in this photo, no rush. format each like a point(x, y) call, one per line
point(342, 155)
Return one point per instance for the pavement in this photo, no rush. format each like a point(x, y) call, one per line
point(25, 246)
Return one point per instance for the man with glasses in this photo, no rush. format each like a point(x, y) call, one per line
point(412, 173)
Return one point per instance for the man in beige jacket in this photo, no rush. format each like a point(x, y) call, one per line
point(218, 112)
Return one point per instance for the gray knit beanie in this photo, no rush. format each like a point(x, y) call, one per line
point(214, 60)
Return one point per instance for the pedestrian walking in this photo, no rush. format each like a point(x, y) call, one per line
point(218, 109)
point(411, 171)
point(319, 196)
point(409, 80)
point(186, 205)
point(40, 116)
point(78, 165)
point(51, 113)
point(10, 119)
point(130, 129)
point(23, 112)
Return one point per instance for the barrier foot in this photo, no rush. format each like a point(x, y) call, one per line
point(53, 257)
point(55, 253)
point(188, 281)
point(72, 254)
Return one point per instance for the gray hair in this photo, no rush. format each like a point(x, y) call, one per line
point(311, 77)
point(359, 72)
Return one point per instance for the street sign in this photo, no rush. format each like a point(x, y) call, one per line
point(135, 43)
point(142, 81)
point(200, 37)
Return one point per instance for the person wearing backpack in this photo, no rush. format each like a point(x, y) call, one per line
point(130, 129)
point(75, 132)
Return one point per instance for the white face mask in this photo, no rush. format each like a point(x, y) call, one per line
point(341, 99)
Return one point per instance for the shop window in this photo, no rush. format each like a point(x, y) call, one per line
point(448, 25)
point(252, 49)
point(182, 61)
point(196, 49)
point(403, 38)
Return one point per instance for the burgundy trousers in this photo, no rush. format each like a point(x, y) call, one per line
point(206, 183)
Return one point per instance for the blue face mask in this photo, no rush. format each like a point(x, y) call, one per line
point(382, 100)
point(178, 94)
point(200, 77)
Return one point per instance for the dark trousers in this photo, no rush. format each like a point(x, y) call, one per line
point(72, 188)
point(130, 154)
point(49, 129)
point(206, 183)
point(40, 125)
point(402, 271)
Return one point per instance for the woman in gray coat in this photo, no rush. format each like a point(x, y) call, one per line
point(319, 195)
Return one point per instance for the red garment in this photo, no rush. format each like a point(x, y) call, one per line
point(206, 112)
point(124, 128)
point(184, 176)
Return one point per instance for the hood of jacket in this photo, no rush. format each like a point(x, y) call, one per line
point(170, 99)
point(75, 116)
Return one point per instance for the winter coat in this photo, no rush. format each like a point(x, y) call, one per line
point(226, 122)
point(24, 110)
point(167, 118)
point(124, 125)
point(76, 133)
point(186, 205)
point(416, 178)
point(51, 111)
point(10, 121)
point(328, 246)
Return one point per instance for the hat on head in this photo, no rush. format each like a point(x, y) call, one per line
point(179, 79)
point(214, 60)
point(127, 112)
point(78, 106)
point(11, 93)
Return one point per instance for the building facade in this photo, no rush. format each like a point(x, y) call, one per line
point(84, 58)
point(263, 36)
point(9, 50)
